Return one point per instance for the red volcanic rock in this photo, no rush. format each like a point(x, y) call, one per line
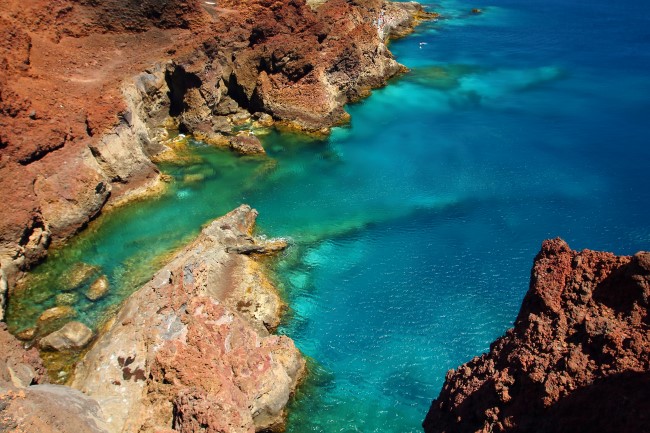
point(86, 88)
point(577, 359)
point(191, 349)
point(18, 367)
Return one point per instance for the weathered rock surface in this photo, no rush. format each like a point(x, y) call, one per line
point(18, 367)
point(28, 405)
point(72, 336)
point(188, 351)
point(98, 289)
point(577, 359)
point(247, 145)
point(80, 120)
point(49, 409)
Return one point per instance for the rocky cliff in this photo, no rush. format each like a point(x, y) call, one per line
point(191, 351)
point(77, 130)
point(577, 358)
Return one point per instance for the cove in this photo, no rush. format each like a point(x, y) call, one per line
point(414, 228)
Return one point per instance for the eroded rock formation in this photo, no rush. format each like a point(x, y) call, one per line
point(29, 405)
point(577, 359)
point(80, 120)
point(191, 350)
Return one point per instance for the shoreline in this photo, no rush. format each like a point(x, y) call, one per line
point(116, 166)
point(126, 174)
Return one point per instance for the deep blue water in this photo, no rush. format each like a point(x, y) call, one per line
point(415, 227)
point(526, 122)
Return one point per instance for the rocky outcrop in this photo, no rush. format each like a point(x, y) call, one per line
point(577, 359)
point(18, 367)
point(72, 336)
point(77, 131)
point(29, 405)
point(191, 350)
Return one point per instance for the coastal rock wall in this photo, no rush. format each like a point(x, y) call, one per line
point(191, 350)
point(77, 131)
point(577, 359)
point(29, 405)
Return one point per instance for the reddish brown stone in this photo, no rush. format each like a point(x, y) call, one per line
point(64, 64)
point(577, 359)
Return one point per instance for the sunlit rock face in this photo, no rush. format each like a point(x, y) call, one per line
point(191, 349)
point(577, 359)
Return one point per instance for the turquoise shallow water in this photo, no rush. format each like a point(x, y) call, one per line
point(415, 227)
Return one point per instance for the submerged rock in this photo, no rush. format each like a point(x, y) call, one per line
point(73, 336)
point(98, 289)
point(181, 353)
point(63, 299)
point(79, 274)
point(577, 359)
point(26, 334)
point(56, 313)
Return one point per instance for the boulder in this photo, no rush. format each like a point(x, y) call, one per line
point(98, 289)
point(79, 274)
point(247, 145)
point(263, 120)
point(73, 336)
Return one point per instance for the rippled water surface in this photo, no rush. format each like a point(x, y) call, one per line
point(415, 227)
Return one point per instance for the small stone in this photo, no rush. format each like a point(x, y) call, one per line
point(79, 274)
point(247, 145)
point(56, 313)
point(263, 120)
point(66, 299)
point(26, 334)
point(98, 289)
point(73, 335)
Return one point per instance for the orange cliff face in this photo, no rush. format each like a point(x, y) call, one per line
point(62, 64)
point(86, 87)
point(577, 359)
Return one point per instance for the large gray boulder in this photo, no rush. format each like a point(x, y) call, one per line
point(73, 336)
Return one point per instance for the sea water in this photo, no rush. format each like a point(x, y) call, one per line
point(414, 228)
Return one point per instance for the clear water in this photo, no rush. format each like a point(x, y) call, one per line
point(415, 227)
